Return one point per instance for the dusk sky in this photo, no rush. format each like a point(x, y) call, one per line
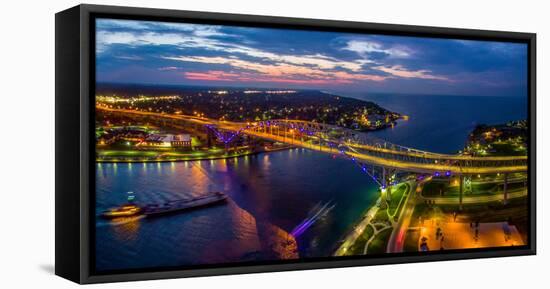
point(131, 51)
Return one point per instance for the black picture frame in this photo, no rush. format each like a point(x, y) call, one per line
point(74, 118)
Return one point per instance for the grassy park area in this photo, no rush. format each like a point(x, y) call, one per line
point(380, 241)
point(398, 197)
point(376, 234)
point(359, 246)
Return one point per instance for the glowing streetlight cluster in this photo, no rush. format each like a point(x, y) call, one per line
point(141, 98)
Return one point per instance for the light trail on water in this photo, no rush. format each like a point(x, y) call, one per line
point(315, 214)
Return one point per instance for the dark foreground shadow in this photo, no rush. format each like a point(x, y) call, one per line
point(48, 268)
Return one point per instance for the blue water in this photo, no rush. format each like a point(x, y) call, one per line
point(442, 123)
point(279, 189)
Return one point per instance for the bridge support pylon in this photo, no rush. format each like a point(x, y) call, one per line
point(461, 191)
point(209, 138)
point(388, 192)
point(383, 200)
point(385, 189)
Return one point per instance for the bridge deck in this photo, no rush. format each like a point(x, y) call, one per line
point(401, 158)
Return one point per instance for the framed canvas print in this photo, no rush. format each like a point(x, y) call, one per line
point(193, 144)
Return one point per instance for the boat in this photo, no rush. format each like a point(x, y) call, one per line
point(184, 204)
point(174, 206)
point(128, 210)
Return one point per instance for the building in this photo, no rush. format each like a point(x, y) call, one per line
point(181, 141)
point(168, 140)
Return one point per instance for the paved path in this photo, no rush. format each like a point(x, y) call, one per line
point(461, 235)
point(374, 234)
point(352, 237)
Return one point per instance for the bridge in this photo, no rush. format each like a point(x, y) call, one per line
point(378, 158)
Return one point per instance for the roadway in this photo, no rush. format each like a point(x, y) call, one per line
point(397, 237)
point(512, 194)
point(396, 164)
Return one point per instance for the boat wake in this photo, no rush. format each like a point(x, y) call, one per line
point(314, 214)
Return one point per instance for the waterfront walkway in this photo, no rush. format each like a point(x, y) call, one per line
point(352, 237)
point(378, 227)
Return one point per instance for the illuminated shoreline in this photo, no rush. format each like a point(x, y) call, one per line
point(201, 158)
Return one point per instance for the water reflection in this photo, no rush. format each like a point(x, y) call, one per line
point(125, 229)
point(270, 195)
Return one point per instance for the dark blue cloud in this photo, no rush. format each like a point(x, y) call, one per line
point(156, 52)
